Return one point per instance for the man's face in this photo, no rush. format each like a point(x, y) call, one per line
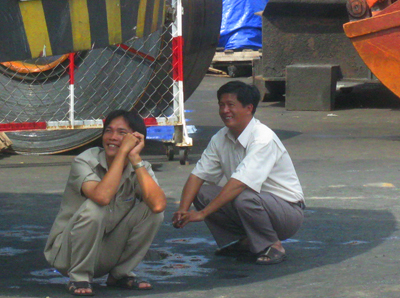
point(113, 136)
point(234, 115)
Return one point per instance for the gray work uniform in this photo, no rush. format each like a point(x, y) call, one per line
point(89, 240)
point(270, 209)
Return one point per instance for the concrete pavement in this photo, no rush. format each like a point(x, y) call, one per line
point(347, 161)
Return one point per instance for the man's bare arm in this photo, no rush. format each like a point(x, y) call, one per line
point(189, 192)
point(152, 193)
point(228, 193)
point(104, 191)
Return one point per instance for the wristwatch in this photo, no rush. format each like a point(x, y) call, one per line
point(138, 165)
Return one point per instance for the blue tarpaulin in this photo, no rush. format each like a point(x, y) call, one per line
point(240, 27)
point(164, 133)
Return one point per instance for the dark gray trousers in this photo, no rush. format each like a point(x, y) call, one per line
point(261, 217)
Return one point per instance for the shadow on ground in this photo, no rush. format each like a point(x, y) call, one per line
point(368, 96)
point(363, 96)
point(180, 260)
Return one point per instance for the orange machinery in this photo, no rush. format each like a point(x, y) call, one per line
point(374, 30)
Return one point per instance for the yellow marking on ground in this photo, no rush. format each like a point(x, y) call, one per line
point(141, 18)
point(379, 184)
point(338, 186)
point(36, 28)
point(80, 24)
point(156, 11)
point(335, 198)
point(114, 21)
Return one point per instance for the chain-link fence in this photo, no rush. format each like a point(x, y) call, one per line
point(75, 91)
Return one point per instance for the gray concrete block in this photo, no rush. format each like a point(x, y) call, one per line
point(311, 87)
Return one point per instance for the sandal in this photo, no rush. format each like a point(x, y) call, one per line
point(130, 283)
point(72, 286)
point(233, 249)
point(274, 256)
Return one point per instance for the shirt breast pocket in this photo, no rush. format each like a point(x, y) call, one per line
point(132, 198)
point(128, 202)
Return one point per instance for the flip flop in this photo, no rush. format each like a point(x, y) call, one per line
point(72, 286)
point(275, 256)
point(130, 283)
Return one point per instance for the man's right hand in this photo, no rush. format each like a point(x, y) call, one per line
point(177, 219)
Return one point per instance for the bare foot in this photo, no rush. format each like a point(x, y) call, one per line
point(80, 288)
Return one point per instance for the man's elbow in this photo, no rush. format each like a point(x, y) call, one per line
point(159, 206)
point(158, 209)
point(101, 200)
point(103, 203)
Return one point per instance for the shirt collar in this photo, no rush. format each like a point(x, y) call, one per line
point(244, 137)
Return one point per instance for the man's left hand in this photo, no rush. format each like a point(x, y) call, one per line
point(134, 154)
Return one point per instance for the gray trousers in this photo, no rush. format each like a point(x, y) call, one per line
point(87, 251)
point(262, 218)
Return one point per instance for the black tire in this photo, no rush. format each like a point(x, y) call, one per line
point(201, 32)
point(183, 155)
point(170, 152)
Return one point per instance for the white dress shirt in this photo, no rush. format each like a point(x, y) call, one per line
point(257, 158)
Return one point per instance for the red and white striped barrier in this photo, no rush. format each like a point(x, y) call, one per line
point(177, 120)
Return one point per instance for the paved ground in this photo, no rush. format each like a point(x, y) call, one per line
point(347, 161)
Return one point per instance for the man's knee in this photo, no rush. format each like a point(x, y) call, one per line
point(92, 212)
point(198, 204)
point(144, 212)
point(158, 218)
point(205, 195)
point(199, 201)
point(245, 200)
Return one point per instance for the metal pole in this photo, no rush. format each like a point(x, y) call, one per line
point(72, 89)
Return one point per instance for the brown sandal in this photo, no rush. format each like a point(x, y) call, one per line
point(275, 256)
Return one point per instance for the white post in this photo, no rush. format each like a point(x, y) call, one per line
point(178, 72)
point(72, 89)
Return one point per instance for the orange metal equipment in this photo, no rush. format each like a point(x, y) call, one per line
point(377, 40)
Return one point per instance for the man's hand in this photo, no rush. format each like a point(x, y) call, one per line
point(135, 152)
point(181, 218)
point(129, 142)
point(177, 219)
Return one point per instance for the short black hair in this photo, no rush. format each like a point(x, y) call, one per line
point(134, 120)
point(246, 94)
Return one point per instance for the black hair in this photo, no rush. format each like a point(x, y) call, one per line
point(134, 120)
point(246, 94)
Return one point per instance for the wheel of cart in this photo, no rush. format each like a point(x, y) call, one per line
point(169, 150)
point(179, 139)
point(183, 155)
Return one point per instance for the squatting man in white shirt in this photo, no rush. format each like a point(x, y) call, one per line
point(262, 202)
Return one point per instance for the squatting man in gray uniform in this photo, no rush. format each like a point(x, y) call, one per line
point(110, 212)
point(262, 201)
